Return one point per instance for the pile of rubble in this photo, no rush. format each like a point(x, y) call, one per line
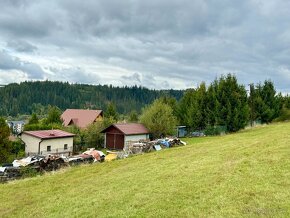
point(54, 162)
point(156, 145)
point(47, 163)
point(8, 172)
point(89, 156)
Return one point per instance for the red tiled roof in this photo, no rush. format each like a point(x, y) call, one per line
point(79, 117)
point(49, 134)
point(130, 128)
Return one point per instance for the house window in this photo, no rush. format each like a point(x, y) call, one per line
point(65, 147)
point(48, 148)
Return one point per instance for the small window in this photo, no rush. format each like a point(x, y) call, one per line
point(65, 147)
point(48, 148)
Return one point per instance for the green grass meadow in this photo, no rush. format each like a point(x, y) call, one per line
point(238, 175)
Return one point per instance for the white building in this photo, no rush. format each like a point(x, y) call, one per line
point(47, 142)
point(16, 126)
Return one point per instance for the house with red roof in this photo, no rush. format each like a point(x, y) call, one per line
point(80, 117)
point(47, 142)
point(117, 135)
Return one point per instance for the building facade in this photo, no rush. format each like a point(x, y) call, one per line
point(16, 127)
point(45, 142)
point(117, 135)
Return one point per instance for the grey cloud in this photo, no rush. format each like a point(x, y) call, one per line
point(184, 40)
point(151, 81)
point(148, 81)
point(21, 46)
point(7, 62)
point(74, 75)
point(28, 19)
point(132, 78)
point(32, 70)
point(137, 18)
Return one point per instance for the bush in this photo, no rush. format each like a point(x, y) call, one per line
point(28, 172)
point(284, 116)
point(159, 119)
point(215, 130)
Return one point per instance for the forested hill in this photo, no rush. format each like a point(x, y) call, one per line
point(28, 97)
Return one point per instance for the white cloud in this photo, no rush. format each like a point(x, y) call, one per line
point(12, 76)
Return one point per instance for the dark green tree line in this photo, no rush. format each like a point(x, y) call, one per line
point(35, 97)
point(265, 104)
point(227, 104)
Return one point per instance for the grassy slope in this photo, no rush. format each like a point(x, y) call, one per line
point(245, 174)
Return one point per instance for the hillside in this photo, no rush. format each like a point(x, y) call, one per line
point(28, 97)
point(245, 174)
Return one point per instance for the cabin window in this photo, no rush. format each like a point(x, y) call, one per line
point(49, 148)
point(65, 147)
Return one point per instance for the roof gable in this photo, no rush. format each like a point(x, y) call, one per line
point(79, 117)
point(49, 134)
point(129, 128)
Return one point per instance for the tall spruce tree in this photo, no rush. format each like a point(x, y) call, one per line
point(266, 104)
point(192, 108)
point(54, 114)
point(232, 110)
point(224, 103)
point(111, 112)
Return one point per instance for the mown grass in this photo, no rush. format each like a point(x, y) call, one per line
point(240, 175)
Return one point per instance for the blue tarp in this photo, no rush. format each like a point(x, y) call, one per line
point(165, 143)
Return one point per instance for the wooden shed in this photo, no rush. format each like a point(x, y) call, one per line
point(117, 135)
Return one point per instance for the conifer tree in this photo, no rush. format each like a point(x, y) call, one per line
point(232, 109)
point(266, 104)
point(54, 114)
point(111, 112)
point(5, 145)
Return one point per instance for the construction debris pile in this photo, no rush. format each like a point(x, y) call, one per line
point(9, 173)
point(41, 163)
point(88, 156)
point(156, 145)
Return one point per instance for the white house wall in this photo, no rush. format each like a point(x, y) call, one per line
point(31, 143)
point(136, 137)
point(57, 144)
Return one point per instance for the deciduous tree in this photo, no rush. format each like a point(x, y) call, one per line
point(133, 116)
point(159, 119)
point(33, 119)
point(53, 115)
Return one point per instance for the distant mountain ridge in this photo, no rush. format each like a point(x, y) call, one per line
point(28, 97)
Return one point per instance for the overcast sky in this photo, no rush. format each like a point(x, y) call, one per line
point(154, 43)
